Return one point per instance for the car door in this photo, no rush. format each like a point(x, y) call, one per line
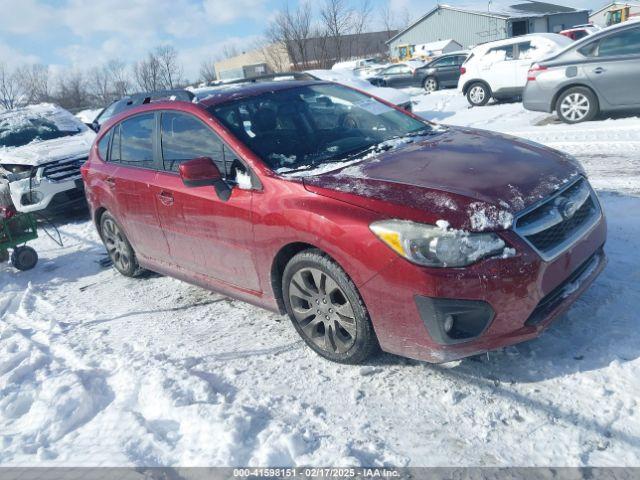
point(132, 150)
point(206, 235)
point(524, 57)
point(398, 76)
point(497, 67)
point(613, 67)
point(447, 71)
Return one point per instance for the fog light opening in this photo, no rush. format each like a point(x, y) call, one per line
point(448, 324)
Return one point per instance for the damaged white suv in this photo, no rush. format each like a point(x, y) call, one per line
point(41, 150)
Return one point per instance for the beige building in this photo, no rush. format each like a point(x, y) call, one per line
point(268, 59)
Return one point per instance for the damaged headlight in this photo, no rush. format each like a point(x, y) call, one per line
point(17, 172)
point(437, 246)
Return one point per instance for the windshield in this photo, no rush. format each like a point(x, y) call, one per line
point(21, 127)
point(311, 125)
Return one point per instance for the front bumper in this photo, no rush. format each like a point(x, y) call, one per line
point(30, 195)
point(525, 294)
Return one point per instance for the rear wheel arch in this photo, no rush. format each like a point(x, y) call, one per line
point(97, 218)
point(465, 88)
point(557, 95)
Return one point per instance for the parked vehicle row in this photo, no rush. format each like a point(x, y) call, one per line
point(442, 72)
point(369, 226)
point(600, 73)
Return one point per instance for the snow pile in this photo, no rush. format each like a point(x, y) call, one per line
point(488, 217)
point(88, 115)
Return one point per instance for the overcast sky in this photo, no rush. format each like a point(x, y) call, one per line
point(83, 33)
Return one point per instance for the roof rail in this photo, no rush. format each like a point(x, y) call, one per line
point(268, 78)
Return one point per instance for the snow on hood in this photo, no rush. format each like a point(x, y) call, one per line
point(39, 152)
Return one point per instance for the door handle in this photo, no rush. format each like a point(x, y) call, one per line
point(166, 198)
point(110, 181)
point(599, 70)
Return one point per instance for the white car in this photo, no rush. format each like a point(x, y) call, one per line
point(391, 95)
point(42, 148)
point(499, 69)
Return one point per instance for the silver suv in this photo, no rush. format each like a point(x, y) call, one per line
point(598, 73)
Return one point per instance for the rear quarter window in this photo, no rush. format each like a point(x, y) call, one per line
point(135, 145)
point(103, 145)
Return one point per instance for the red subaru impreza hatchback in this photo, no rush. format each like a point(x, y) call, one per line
point(368, 226)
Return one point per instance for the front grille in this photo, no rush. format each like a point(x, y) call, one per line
point(560, 220)
point(63, 170)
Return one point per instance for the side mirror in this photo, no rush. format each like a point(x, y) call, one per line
point(95, 126)
point(201, 172)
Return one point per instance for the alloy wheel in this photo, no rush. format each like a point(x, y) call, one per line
point(477, 94)
point(430, 85)
point(322, 310)
point(575, 107)
point(116, 245)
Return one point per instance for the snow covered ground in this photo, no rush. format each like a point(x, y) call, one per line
point(97, 369)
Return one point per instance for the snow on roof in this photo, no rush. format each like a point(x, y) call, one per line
point(13, 120)
point(439, 45)
point(499, 9)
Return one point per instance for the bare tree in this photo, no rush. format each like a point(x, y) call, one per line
point(147, 73)
point(170, 67)
point(229, 50)
point(292, 30)
point(35, 83)
point(208, 71)
point(10, 88)
point(120, 80)
point(337, 19)
point(99, 85)
point(360, 23)
point(72, 91)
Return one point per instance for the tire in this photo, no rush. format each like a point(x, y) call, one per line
point(24, 258)
point(118, 247)
point(430, 84)
point(576, 105)
point(326, 309)
point(478, 94)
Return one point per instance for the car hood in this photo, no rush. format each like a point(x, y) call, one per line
point(37, 153)
point(476, 180)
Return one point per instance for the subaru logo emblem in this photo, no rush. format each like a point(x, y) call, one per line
point(567, 208)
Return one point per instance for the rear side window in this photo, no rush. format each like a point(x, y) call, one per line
point(134, 144)
point(445, 62)
point(623, 43)
point(103, 145)
point(184, 138)
point(501, 53)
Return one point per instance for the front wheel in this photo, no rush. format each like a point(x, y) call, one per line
point(577, 105)
point(118, 247)
point(326, 309)
point(478, 94)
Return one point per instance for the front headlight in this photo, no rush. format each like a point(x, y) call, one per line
point(17, 172)
point(436, 246)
